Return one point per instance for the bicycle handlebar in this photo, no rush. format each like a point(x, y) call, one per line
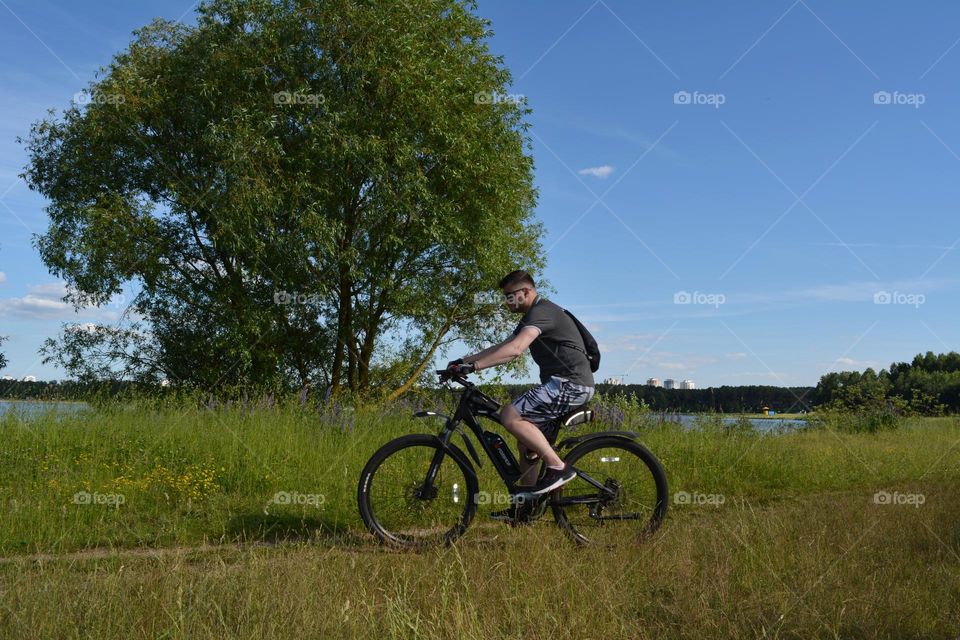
point(447, 375)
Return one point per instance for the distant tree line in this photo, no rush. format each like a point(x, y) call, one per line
point(725, 399)
point(746, 399)
point(70, 389)
point(929, 385)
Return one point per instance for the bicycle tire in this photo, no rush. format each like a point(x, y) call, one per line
point(455, 493)
point(641, 484)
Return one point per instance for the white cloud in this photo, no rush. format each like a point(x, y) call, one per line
point(850, 363)
point(779, 377)
point(603, 171)
point(628, 342)
point(41, 301)
point(3, 277)
point(45, 301)
point(673, 366)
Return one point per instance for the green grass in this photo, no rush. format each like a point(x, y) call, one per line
point(798, 534)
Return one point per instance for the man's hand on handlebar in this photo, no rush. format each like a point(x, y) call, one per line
point(457, 368)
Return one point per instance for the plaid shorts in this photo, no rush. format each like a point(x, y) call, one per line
point(550, 400)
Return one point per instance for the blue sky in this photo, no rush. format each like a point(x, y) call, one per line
point(734, 193)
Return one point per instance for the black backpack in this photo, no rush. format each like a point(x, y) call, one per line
point(591, 350)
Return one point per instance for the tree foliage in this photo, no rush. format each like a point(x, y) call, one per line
point(297, 192)
point(929, 385)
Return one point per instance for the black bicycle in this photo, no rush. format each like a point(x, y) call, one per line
point(421, 489)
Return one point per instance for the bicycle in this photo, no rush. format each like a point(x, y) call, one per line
point(421, 490)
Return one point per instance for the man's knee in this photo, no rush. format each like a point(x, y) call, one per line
point(509, 417)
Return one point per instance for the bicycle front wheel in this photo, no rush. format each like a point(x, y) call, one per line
point(404, 506)
point(619, 496)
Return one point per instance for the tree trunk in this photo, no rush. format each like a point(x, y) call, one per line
point(402, 389)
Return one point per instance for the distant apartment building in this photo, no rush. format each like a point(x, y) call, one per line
point(29, 378)
point(669, 383)
point(654, 382)
point(688, 384)
point(613, 381)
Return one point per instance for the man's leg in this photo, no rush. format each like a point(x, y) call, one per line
point(529, 435)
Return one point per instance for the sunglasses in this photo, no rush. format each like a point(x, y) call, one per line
point(510, 294)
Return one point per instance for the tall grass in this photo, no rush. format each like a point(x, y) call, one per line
point(769, 535)
point(131, 475)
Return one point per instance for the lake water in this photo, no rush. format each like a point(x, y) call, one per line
point(760, 424)
point(33, 407)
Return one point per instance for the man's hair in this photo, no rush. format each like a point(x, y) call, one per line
point(517, 277)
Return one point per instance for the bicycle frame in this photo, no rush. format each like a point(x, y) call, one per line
point(475, 404)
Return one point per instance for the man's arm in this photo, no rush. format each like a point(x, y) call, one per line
point(505, 351)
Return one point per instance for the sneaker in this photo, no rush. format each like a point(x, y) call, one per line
point(553, 479)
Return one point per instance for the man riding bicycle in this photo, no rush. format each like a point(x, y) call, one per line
point(565, 375)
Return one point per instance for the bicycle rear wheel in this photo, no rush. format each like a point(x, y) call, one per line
point(401, 508)
point(619, 496)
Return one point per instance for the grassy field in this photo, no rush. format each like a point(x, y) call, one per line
point(164, 522)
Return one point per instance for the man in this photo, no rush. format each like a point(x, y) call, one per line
point(566, 380)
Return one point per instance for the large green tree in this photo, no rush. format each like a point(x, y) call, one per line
point(310, 191)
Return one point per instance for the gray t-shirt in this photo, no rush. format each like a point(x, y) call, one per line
point(551, 350)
